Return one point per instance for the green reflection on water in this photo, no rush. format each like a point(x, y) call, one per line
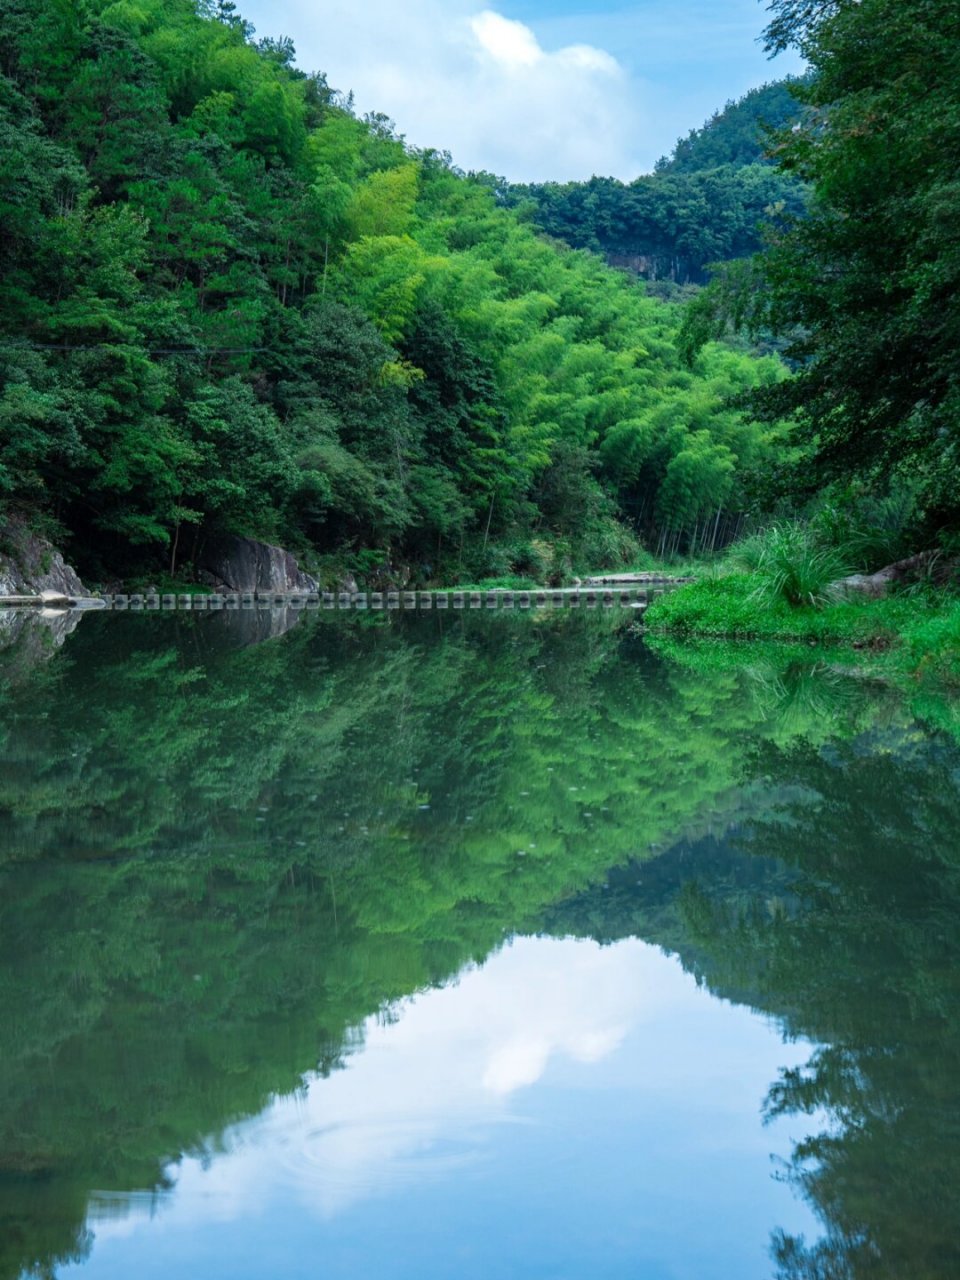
point(218, 858)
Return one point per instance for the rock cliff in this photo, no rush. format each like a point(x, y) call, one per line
point(29, 564)
point(243, 564)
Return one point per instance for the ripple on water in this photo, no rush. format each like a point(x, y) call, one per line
point(354, 1159)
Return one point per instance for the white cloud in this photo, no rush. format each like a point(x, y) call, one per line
point(500, 1060)
point(473, 82)
point(426, 1092)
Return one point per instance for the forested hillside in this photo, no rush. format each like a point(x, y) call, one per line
point(704, 204)
point(867, 283)
point(231, 306)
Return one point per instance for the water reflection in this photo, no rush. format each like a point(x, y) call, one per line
point(559, 1082)
point(227, 868)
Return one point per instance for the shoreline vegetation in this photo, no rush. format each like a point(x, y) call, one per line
point(781, 588)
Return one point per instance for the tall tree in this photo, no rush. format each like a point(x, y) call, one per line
point(870, 280)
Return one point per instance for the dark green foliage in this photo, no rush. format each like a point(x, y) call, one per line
point(868, 284)
point(740, 134)
point(705, 204)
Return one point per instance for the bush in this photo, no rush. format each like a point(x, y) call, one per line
point(873, 529)
point(790, 563)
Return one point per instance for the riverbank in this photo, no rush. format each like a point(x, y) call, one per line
point(914, 632)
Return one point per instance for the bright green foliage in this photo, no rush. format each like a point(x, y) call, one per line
point(792, 564)
point(229, 304)
point(906, 635)
point(934, 643)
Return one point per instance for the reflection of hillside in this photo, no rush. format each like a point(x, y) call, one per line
point(217, 862)
point(837, 911)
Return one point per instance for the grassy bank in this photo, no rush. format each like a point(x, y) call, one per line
point(917, 632)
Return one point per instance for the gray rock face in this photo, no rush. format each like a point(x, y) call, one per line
point(876, 585)
point(29, 565)
point(243, 564)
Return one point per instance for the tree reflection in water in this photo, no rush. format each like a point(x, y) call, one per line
point(217, 861)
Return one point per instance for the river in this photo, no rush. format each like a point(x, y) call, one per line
point(472, 945)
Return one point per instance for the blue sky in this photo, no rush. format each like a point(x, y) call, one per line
point(529, 89)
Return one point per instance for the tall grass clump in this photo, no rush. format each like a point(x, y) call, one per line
point(875, 529)
point(790, 563)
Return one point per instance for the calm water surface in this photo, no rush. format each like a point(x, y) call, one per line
point(469, 946)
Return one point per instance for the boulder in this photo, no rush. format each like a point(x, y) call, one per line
point(244, 564)
point(30, 565)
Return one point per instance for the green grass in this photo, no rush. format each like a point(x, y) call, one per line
point(507, 582)
point(933, 643)
point(921, 631)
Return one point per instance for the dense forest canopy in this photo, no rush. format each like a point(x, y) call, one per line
point(704, 204)
point(867, 283)
point(231, 306)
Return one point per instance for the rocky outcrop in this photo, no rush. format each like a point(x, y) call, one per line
point(30, 565)
point(243, 564)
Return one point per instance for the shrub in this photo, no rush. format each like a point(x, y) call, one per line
point(792, 564)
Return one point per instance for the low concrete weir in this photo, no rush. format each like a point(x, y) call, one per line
point(635, 597)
